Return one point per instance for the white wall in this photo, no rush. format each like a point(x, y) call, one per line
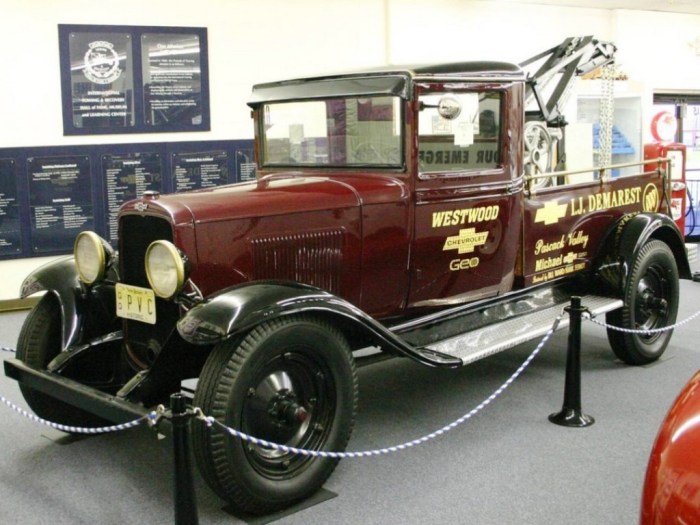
point(455, 30)
point(656, 48)
point(263, 40)
point(249, 42)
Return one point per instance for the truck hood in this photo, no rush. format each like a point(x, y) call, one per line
point(271, 195)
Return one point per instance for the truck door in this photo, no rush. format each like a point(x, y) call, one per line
point(468, 192)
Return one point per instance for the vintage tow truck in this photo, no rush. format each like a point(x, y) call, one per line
point(401, 209)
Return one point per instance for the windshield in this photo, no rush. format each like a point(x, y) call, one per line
point(357, 131)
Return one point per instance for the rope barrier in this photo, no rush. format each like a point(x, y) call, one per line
point(80, 430)
point(210, 421)
point(153, 417)
point(591, 318)
point(185, 498)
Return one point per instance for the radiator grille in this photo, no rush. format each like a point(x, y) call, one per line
point(136, 232)
point(312, 258)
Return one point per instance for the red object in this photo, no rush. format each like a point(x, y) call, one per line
point(664, 126)
point(672, 485)
point(677, 153)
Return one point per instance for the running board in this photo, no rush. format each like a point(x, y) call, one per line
point(494, 338)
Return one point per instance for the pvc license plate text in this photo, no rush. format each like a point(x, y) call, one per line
point(136, 303)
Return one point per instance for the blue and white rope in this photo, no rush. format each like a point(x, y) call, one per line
point(80, 430)
point(210, 421)
point(588, 316)
point(153, 416)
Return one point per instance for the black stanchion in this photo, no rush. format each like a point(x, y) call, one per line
point(571, 414)
point(185, 499)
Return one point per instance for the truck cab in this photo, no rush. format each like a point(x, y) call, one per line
point(434, 156)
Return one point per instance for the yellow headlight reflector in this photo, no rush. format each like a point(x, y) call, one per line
point(165, 269)
point(90, 257)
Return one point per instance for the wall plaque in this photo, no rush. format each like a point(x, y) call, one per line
point(10, 231)
point(60, 192)
point(132, 79)
point(126, 177)
point(193, 171)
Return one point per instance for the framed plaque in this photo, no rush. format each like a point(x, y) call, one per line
point(192, 171)
point(132, 79)
point(127, 176)
point(60, 199)
point(10, 230)
point(172, 79)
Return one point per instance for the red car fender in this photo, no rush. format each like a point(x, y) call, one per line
point(672, 484)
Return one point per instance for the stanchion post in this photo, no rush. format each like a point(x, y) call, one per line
point(185, 499)
point(571, 414)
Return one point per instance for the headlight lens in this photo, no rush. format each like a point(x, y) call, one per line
point(91, 256)
point(165, 268)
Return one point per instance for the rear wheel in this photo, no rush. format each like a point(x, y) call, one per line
point(290, 381)
point(38, 343)
point(650, 302)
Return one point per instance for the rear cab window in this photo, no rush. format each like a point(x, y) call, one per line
point(459, 131)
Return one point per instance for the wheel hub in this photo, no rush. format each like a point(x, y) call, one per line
point(284, 409)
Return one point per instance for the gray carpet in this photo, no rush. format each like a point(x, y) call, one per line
point(507, 465)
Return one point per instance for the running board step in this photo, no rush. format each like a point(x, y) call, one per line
point(491, 339)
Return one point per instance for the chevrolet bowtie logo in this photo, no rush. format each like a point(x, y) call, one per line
point(466, 241)
point(551, 212)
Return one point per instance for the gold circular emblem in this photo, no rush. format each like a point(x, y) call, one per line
point(650, 198)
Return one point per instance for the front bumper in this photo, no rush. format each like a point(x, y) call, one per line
point(106, 406)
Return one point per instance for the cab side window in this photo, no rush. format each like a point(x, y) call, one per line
point(459, 131)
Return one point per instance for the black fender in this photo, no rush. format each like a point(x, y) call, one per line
point(76, 301)
point(238, 309)
point(60, 278)
point(626, 238)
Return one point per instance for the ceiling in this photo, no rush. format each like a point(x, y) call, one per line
point(671, 6)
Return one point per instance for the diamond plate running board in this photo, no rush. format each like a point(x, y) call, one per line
point(489, 340)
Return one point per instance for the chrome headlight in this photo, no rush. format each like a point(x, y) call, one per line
point(166, 268)
point(92, 255)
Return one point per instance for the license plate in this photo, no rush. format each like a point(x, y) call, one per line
point(136, 303)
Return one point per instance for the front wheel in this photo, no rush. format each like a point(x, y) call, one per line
point(290, 381)
point(650, 302)
point(38, 343)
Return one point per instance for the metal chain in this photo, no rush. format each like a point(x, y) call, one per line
point(607, 109)
point(588, 316)
point(210, 421)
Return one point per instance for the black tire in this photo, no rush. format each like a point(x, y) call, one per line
point(292, 381)
point(651, 301)
point(38, 343)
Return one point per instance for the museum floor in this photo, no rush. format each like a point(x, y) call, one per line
point(507, 465)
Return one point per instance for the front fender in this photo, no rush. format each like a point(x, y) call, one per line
point(238, 309)
point(59, 277)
